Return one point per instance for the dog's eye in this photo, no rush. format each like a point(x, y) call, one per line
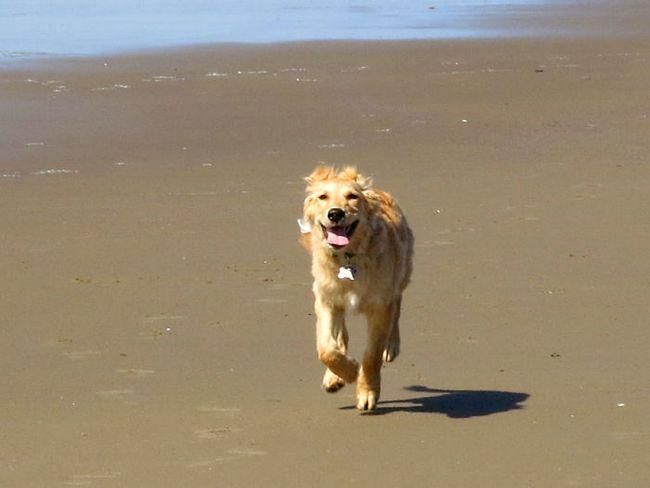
point(323, 196)
point(352, 196)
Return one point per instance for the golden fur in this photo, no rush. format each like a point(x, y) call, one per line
point(380, 250)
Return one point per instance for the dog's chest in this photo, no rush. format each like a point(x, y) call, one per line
point(346, 293)
point(352, 302)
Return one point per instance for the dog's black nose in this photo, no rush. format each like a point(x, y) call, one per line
point(335, 214)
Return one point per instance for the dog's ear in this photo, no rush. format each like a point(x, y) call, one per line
point(365, 182)
point(351, 173)
point(320, 173)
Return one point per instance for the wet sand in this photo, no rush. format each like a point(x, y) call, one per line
point(157, 324)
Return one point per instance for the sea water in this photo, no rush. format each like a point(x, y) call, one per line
point(81, 27)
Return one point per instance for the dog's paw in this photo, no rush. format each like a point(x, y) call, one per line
point(331, 382)
point(391, 351)
point(367, 398)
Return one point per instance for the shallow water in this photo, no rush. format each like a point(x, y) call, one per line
point(81, 27)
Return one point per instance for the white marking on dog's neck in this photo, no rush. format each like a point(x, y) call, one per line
point(346, 273)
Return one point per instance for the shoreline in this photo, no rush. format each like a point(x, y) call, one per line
point(10, 64)
point(543, 20)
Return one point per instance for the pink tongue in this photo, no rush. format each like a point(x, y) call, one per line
point(337, 237)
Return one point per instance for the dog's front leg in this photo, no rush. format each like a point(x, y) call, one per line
point(331, 382)
point(369, 381)
point(330, 329)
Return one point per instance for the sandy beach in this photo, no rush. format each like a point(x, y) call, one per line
point(157, 326)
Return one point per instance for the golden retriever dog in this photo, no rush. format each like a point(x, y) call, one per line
point(362, 252)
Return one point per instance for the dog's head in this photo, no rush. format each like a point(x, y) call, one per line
point(336, 205)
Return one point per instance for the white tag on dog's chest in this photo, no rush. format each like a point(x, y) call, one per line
point(346, 273)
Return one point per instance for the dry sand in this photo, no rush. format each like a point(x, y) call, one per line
point(157, 326)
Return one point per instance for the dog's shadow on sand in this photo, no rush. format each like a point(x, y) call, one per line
point(457, 404)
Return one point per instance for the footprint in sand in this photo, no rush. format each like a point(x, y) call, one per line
point(87, 479)
point(114, 393)
point(161, 78)
point(77, 355)
point(54, 171)
point(124, 396)
point(331, 146)
point(272, 300)
point(157, 318)
point(116, 86)
point(136, 373)
point(225, 411)
point(624, 436)
point(280, 286)
point(230, 455)
point(587, 191)
point(215, 432)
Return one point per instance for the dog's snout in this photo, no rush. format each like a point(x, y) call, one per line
point(335, 214)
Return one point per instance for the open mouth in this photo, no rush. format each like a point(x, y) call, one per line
point(339, 236)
